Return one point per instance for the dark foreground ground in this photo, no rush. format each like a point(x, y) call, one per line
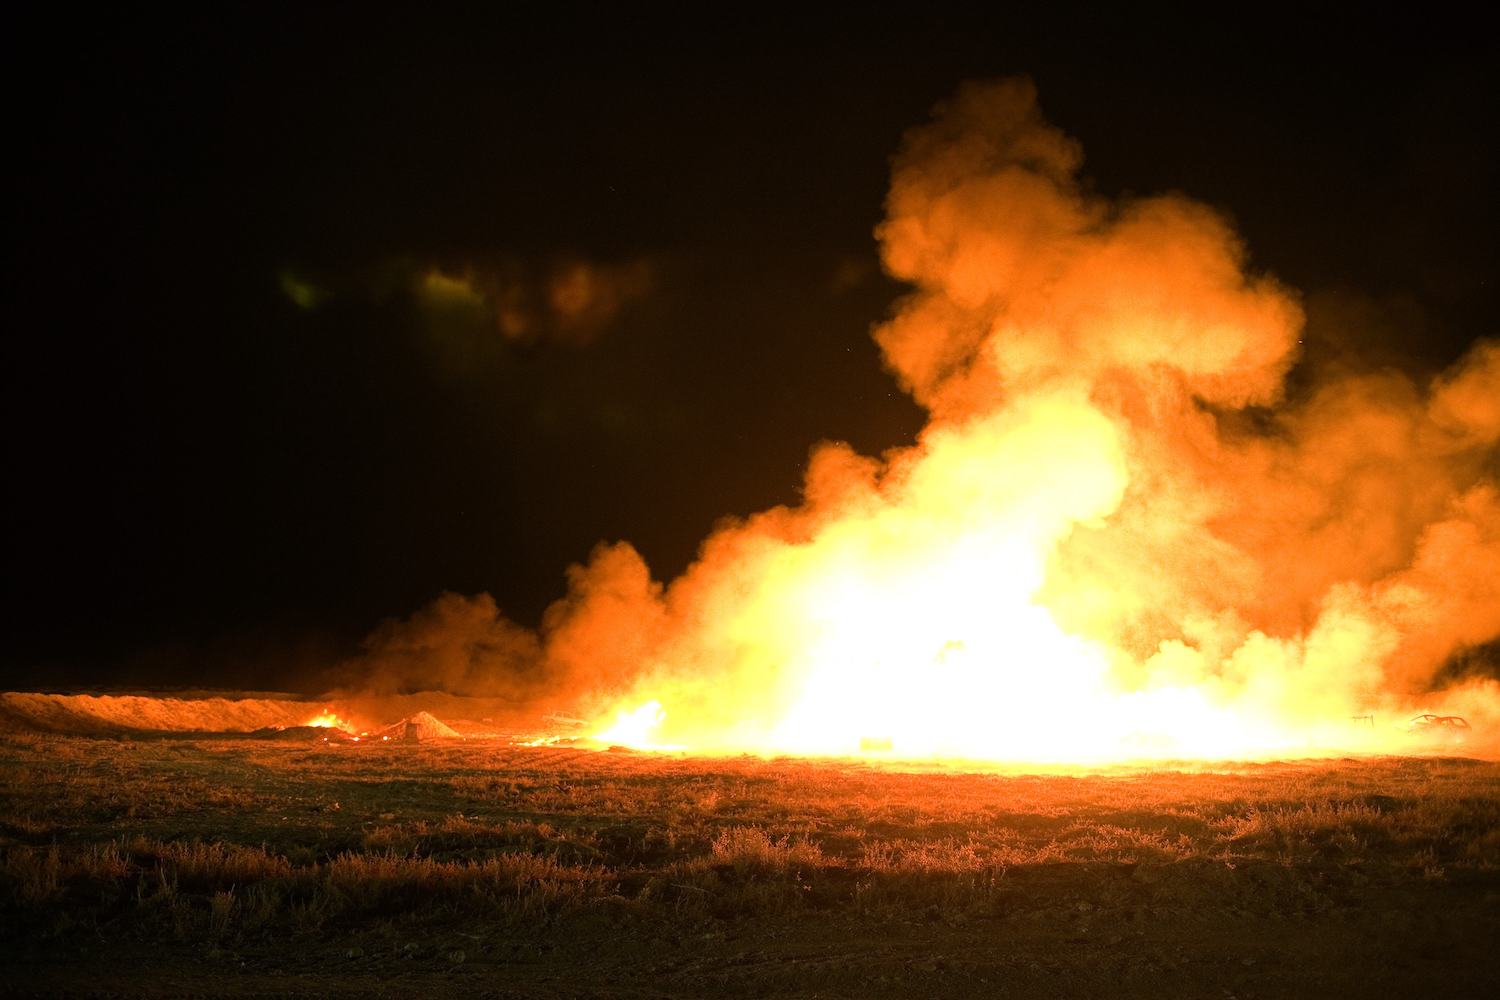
point(236, 867)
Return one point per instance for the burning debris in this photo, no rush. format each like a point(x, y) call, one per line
point(328, 719)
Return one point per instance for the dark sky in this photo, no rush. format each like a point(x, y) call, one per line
point(211, 483)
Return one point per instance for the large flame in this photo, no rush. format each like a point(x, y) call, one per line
point(1116, 538)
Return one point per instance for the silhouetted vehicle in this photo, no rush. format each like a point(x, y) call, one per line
point(1449, 728)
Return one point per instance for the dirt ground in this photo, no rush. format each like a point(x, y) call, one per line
point(239, 867)
point(1423, 943)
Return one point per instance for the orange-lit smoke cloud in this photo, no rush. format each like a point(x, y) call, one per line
point(458, 644)
point(1114, 520)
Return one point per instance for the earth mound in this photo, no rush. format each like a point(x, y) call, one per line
point(419, 728)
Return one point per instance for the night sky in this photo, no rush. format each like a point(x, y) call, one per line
point(247, 417)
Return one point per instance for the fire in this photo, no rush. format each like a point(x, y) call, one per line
point(327, 719)
point(634, 728)
point(1119, 537)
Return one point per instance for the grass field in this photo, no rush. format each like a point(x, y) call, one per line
point(186, 866)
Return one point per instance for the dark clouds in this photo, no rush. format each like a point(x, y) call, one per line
point(205, 467)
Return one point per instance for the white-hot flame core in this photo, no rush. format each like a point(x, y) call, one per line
point(635, 728)
point(1096, 551)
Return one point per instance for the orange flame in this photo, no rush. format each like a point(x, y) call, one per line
point(327, 719)
point(634, 728)
point(1116, 539)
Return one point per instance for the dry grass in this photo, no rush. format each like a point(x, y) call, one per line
point(227, 840)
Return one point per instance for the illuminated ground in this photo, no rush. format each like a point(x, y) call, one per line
point(217, 866)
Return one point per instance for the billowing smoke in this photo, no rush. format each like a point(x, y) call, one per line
point(461, 645)
point(467, 646)
point(1118, 532)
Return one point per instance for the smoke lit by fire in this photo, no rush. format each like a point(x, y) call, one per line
point(1118, 535)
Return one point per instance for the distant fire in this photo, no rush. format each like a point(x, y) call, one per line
point(635, 728)
point(1119, 537)
point(327, 719)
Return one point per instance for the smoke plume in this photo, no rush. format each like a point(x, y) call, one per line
point(461, 645)
point(1117, 533)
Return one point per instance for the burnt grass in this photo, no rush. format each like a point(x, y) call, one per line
point(239, 867)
